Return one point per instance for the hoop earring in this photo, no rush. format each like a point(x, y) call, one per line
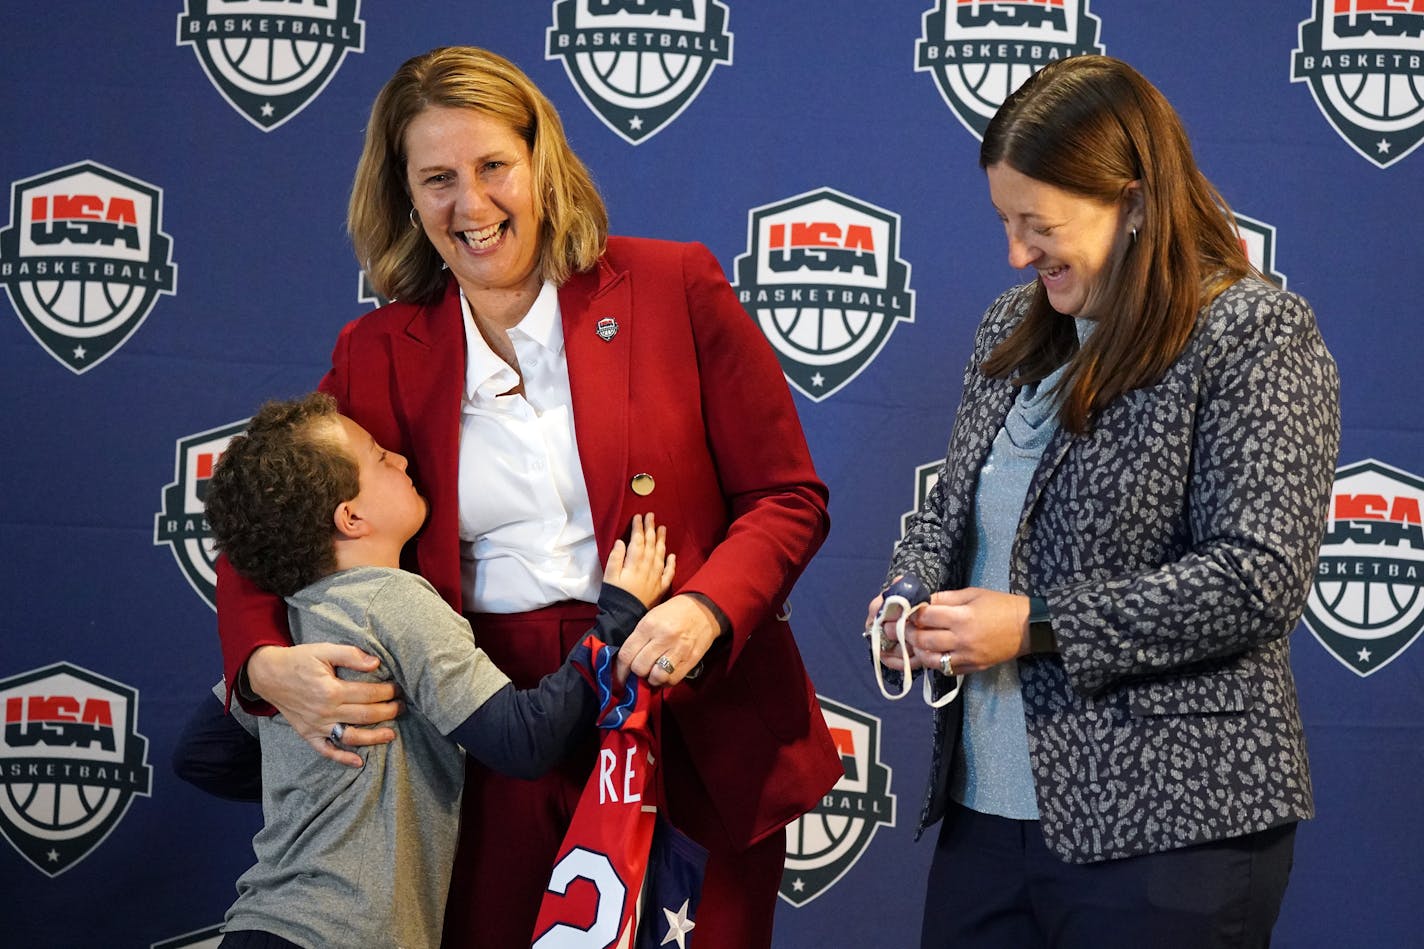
point(415, 221)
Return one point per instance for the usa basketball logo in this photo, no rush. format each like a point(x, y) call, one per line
point(1258, 240)
point(980, 52)
point(84, 259)
point(270, 58)
point(71, 761)
point(824, 843)
point(1365, 605)
point(823, 278)
point(181, 524)
point(1364, 62)
point(638, 63)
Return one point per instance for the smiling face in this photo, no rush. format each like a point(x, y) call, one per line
point(471, 181)
point(388, 501)
point(1072, 241)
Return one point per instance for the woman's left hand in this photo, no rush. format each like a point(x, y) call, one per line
point(978, 628)
point(680, 630)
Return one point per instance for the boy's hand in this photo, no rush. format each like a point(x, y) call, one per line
point(643, 566)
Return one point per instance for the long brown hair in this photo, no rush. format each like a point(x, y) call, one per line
point(401, 263)
point(1092, 126)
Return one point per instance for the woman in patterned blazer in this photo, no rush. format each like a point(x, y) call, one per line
point(1121, 538)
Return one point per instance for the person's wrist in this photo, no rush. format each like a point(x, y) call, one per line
point(1040, 626)
point(246, 689)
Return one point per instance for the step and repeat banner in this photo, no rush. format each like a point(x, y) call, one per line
point(172, 252)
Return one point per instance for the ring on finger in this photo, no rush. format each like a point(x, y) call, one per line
point(946, 663)
point(336, 733)
point(665, 664)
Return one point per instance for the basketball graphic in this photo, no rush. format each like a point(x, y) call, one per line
point(1372, 608)
point(821, 335)
point(1365, 605)
point(71, 762)
point(84, 259)
point(1362, 60)
point(269, 67)
point(639, 63)
point(270, 61)
point(980, 52)
point(638, 80)
point(824, 280)
point(823, 844)
point(56, 810)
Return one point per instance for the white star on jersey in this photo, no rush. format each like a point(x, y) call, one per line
point(678, 926)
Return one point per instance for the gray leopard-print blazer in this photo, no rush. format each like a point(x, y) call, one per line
point(1175, 544)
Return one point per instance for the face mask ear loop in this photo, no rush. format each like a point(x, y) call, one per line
point(945, 699)
point(878, 641)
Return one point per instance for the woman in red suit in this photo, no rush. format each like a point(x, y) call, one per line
point(547, 382)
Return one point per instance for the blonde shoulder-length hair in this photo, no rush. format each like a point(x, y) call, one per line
point(401, 263)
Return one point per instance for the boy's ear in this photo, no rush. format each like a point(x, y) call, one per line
point(348, 520)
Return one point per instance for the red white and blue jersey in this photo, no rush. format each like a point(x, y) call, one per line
point(625, 878)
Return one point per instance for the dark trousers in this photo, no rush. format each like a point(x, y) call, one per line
point(994, 884)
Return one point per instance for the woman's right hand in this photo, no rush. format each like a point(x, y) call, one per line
point(301, 682)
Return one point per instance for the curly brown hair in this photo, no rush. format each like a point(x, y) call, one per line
point(274, 490)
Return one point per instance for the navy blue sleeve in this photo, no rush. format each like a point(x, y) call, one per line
point(217, 754)
point(525, 732)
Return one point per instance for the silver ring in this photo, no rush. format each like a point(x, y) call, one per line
point(665, 664)
point(946, 663)
point(334, 736)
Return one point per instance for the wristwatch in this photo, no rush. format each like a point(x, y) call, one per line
point(1040, 626)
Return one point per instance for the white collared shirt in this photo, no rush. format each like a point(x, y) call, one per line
point(526, 526)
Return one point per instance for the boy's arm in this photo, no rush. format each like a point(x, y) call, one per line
point(217, 753)
point(524, 733)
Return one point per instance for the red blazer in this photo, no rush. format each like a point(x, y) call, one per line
point(688, 391)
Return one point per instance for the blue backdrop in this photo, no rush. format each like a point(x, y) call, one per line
point(173, 253)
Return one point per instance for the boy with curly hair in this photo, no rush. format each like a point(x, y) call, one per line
point(307, 505)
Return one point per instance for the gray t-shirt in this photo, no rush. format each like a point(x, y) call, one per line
point(362, 857)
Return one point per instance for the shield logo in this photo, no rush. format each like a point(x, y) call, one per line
point(269, 61)
point(181, 524)
point(823, 277)
point(1365, 606)
point(638, 63)
point(823, 844)
point(71, 761)
point(979, 51)
point(84, 259)
point(1360, 59)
